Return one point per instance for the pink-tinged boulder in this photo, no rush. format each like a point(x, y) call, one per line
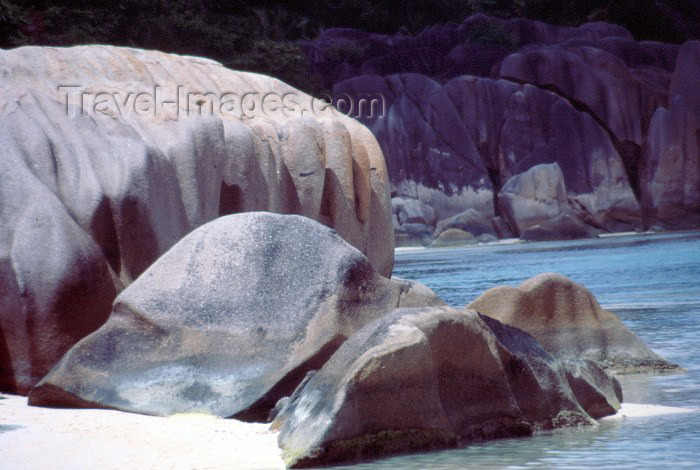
point(671, 177)
point(470, 221)
point(566, 319)
point(96, 184)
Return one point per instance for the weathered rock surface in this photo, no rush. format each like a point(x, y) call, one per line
point(98, 180)
point(428, 150)
point(228, 321)
point(453, 146)
point(418, 379)
point(467, 106)
point(671, 175)
point(566, 319)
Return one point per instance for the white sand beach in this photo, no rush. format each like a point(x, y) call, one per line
point(76, 439)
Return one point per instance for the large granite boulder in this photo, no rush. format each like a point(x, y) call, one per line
point(566, 319)
point(420, 379)
point(111, 155)
point(428, 151)
point(590, 76)
point(228, 321)
point(684, 81)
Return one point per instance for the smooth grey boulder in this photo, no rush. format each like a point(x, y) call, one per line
point(228, 321)
point(567, 320)
point(97, 182)
point(562, 227)
point(429, 378)
point(533, 197)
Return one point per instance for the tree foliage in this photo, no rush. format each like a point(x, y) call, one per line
point(260, 35)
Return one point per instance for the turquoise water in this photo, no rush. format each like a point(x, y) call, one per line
point(652, 282)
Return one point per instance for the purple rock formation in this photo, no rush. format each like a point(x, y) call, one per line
point(488, 99)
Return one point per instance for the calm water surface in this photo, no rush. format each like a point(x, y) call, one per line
point(652, 282)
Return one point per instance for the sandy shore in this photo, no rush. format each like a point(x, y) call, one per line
point(77, 439)
point(47, 438)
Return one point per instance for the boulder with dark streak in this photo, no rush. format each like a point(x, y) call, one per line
point(228, 321)
point(566, 319)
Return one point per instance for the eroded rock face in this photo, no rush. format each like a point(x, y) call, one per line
point(522, 93)
point(432, 378)
point(453, 146)
point(228, 321)
point(671, 178)
point(566, 319)
point(96, 181)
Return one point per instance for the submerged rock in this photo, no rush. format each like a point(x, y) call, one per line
point(427, 378)
point(567, 321)
point(228, 321)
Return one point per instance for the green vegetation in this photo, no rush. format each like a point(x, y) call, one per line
point(260, 35)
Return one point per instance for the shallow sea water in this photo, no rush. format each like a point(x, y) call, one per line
point(652, 282)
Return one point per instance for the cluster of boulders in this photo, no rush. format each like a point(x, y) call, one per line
point(267, 317)
point(574, 131)
point(153, 263)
